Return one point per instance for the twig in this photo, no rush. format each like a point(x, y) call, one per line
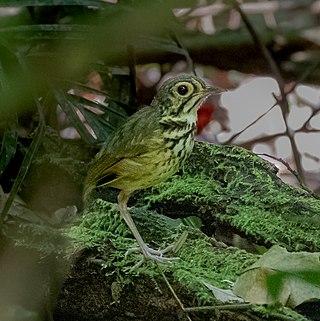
point(314, 158)
point(304, 127)
point(292, 171)
point(248, 144)
point(308, 71)
point(286, 164)
point(186, 52)
point(132, 76)
point(174, 294)
point(241, 306)
point(231, 139)
point(262, 47)
point(282, 100)
point(230, 307)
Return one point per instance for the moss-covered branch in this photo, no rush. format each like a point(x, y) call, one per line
point(222, 185)
point(235, 188)
point(200, 264)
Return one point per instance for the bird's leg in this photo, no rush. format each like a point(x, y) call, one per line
point(148, 253)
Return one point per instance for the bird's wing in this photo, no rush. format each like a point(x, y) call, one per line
point(139, 135)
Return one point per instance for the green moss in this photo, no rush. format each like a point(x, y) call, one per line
point(32, 230)
point(264, 225)
point(237, 188)
point(46, 239)
point(185, 189)
point(228, 184)
point(201, 263)
point(198, 262)
point(270, 313)
point(99, 224)
point(67, 155)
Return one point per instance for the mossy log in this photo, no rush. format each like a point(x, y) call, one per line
point(225, 186)
point(232, 187)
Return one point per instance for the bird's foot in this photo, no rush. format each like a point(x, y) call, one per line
point(157, 255)
point(154, 255)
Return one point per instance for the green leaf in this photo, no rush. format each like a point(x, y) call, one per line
point(75, 32)
point(9, 141)
point(281, 277)
point(101, 127)
point(23, 3)
point(193, 221)
point(102, 107)
point(163, 43)
point(23, 169)
point(70, 110)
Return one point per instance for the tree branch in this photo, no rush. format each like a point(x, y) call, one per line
point(282, 100)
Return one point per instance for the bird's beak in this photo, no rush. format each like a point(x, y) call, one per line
point(213, 90)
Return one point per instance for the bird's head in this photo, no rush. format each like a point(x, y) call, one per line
point(182, 95)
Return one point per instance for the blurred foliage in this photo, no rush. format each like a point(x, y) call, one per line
point(50, 51)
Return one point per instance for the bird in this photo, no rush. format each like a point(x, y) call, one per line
point(149, 147)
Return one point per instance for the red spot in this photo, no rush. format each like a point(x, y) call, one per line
point(205, 115)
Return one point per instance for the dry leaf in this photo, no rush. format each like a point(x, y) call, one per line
point(222, 294)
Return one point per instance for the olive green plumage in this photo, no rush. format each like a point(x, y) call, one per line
point(151, 146)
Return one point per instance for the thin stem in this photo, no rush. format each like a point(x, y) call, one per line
point(132, 76)
point(231, 139)
point(292, 171)
point(186, 52)
point(27, 160)
point(265, 52)
point(282, 100)
point(174, 293)
point(241, 306)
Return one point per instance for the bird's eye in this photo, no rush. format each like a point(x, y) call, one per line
point(183, 90)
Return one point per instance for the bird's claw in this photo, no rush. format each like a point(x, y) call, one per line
point(152, 254)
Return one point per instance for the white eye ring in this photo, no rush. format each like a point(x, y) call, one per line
point(184, 89)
